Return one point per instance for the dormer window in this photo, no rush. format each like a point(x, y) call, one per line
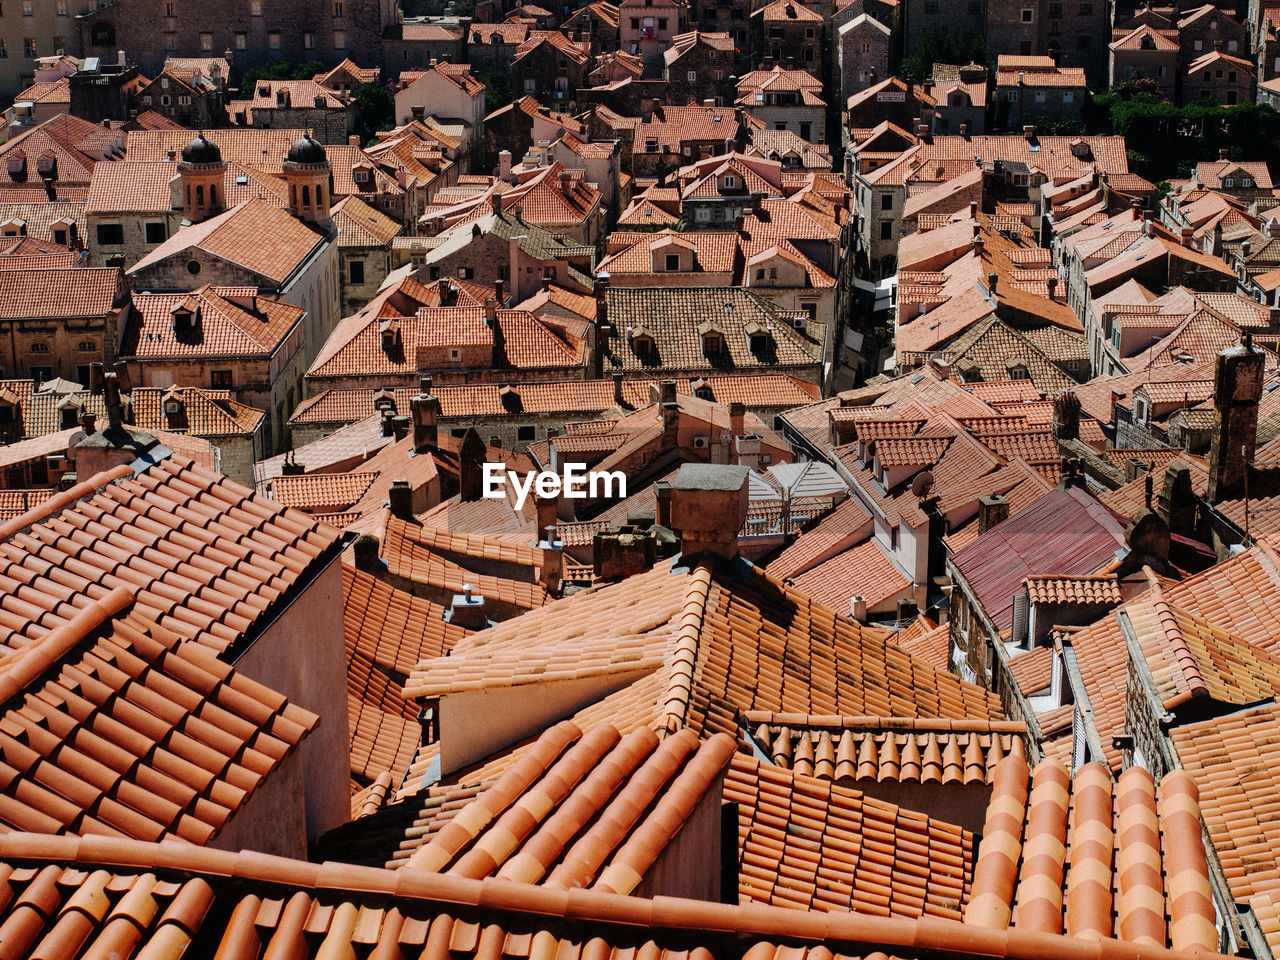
point(730, 182)
point(1228, 181)
point(642, 344)
point(16, 164)
point(361, 174)
point(673, 262)
point(712, 344)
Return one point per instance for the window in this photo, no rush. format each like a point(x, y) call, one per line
point(1231, 77)
point(692, 76)
point(4, 49)
point(166, 100)
point(41, 374)
point(184, 101)
point(255, 8)
point(464, 273)
point(355, 271)
point(337, 8)
point(170, 9)
point(308, 40)
point(1024, 48)
point(241, 40)
point(86, 346)
point(155, 232)
point(1198, 45)
point(1068, 96)
point(975, 10)
point(1084, 41)
point(886, 201)
point(62, 8)
point(673, 262)
point(635, 23)
point(1039, 96)
point(220, 379)
point(703, 215)
point(730, 182)
point(193, 267)
point(67, 418)
point(1232, 46)
point(531, 85)
point(39, 346)
point(29, 47)
point(28, 8)
point(1027, 14)
point(808, 33)
point(170, 42)
point(1055, 11)
point(526, 434)
point(110, 234)
point(662, 23)
point(1012, 96)
point(206, 42)
point(1086, 9)
point(886, 230)
point(273, 40)
point(60, 237)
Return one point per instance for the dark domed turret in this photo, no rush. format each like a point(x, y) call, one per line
point(307, 150)
point(202, 150)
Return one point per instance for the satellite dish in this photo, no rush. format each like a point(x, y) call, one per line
point(922, 484)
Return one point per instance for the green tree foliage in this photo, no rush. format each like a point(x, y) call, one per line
point(942, 46)
point(1167, 141)
point(375, 110)
point(497, 90)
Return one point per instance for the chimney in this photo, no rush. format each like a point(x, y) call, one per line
point(1029, 132)
point(973, 211)
point(709, 507)
point(1222, 153)
point(353, 140)
point(425, 411)
point(401, 500)
point(547, 514)
point(566, 183)
point(495, 202)
point(1216, 250)
point(551, 567)
point(964, 130)
point(1188, 236)
point(858, 608)
point(1135, 468)
point(490, 313)
point(662, 491)
point(757, 203)
point(504, 167)
point(471, 458)
point(1066, 416)
point(992, 280)
point(1237, 391)
point(669, 409)
point(1177, 501)
point(467, 610)
point(500, 292)
point(1071, 475)
point(617, 387)
point(366, 549)
point(737, 417)
point(1051, 287)
point(992, 509)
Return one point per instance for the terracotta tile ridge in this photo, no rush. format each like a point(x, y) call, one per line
point(32, 661)
point(58, 501)
point(661, 824)
point(472, 820)
point(684, 653)
point(1089, 883)
point(585, 857)
point(599, 911)
point(1044, 853)
point(996, 868)
point(873, 723)
point(1191, 911)
point(1141, 917)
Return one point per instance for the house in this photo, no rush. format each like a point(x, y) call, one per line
point(1147, 53)
point(785, 100)
point(190, 97)
point(550, 68)
point(1030, 88)
point(57, 322)
point(786, 33)
point(863, 52)
point(413, 42)
point(1216, 76)
point(697, 67)
point(453, 96)
point(222, 338)
point(300, 104)
point(364, 250)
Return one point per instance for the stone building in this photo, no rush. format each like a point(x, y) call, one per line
point(254, 31)
point(862, 47)
point(364, 250)
point(411, 44)
point(296, 104)
point(1149, 53)
point(550, 67)
point(54, 323)
point(698, 66)
point(786, 33)
point(34, 30)
point(1029, 89)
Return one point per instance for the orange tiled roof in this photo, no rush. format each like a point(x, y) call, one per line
point(114, 724)
point(204, 556)
point(1093, 859)
point(225, 900)
point(226, 321)
point(77, 293)
point(1104, 589)
point(887, 748)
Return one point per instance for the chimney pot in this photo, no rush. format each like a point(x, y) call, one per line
point(992, 510)
point(401, 499)
point(366, 549)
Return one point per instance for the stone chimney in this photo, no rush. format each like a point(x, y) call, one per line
point(366, 549)
point(467, 610)
point(709, 507)
point(471, 457)
point(1177, 500)
point(425, 411)
point(992, 509)
point(1237, 391)
point(400, 498)
point(669, 409)
point(1066, 416)
point(617, 387)
point(114, 444)
point(618, 554)
point(504, 167)
point(662, 491)
point(737, 418)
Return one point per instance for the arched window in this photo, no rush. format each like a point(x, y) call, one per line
point(199, 196)
point(213, 195)
point(39, 346)
point(86, 346)
point(306, 196)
